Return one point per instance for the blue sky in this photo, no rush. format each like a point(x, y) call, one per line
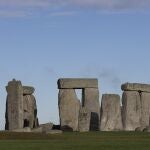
point(41, 41)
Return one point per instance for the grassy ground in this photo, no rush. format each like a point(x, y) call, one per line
point(76, 141)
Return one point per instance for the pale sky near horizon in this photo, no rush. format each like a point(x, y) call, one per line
point(44, 40)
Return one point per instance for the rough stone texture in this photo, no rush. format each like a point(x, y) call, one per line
point(145, 106)
point(28, 90)
point(21, 110)
point(91, 102)
point(147, 129)
point(140, 129)
point(136, 87)
point(111, 119)
point(69, 107)
point(30, 111)
point(46, 127)
point(27, 129)
point(84, 120)
point(14, 105)
point(37, 130)
point(131, 110)
point(69, 83)
point(55, 132)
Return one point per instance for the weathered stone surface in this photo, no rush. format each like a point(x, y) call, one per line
point(69, 83)
point(84, 120)
point(140, 129)
point(145, 106)
point(147, 129)
point(46, 127)
point(37, 130)
point(28, 90)
point(27, 129)
point(111, 119)
point(131, 110)
point(30, 111)
point(91, 102)
point(14, 106)
point(69, 107)
point(55, 132)
point(136, 87)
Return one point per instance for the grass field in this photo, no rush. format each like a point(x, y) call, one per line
point(76, 141)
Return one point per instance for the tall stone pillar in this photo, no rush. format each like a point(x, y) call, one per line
point(14, 108)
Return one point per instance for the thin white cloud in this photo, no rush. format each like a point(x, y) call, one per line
point(63, 7)
point(101, 4)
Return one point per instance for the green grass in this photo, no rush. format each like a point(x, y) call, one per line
point(76, 141)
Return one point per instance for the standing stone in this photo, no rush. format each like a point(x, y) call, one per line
point(111, 113)
point(145, 106)
point(131, 112)
point(69, 107)
point(30, 111)
point(14, 105)
point(84, 120)
point(91, 102)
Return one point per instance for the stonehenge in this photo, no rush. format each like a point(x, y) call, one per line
point(71, 110)
point(129, 113)
point(21, 110)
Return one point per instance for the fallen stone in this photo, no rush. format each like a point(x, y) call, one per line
point(111, 119)
point(91, 102)
point(140, 129)
point(84, 120)
point(69, 83)
point(54, 132)
point(27, 90)
point(131, 110)
point(37, 130)
point(136, 87)
point(69, 107)
point(27, 129)
point(46, 127)
point(147, 129)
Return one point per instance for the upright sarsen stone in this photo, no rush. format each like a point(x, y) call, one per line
point(131, 110)
point(145, 106)
point(91, 103)
point(14, 106)
point(69, 107)
point(111, 119)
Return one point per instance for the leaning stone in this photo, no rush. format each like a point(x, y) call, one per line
point(145, 105)
point(136, 87)
point(131, 110)
point(54, 132)
point(27, 129)
point(69, 83)
point(27, 90)
point(84, 120)
point(46, 127)
point(111, 119)
point(91, 102)
point(69, 107)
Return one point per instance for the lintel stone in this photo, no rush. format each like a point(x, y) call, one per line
point(77, 83)
point(136, 87)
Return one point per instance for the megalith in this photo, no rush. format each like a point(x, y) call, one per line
point(136, 105)
point(21, 109)
point(111, 119)
point(69, 107)
point(89, 112)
